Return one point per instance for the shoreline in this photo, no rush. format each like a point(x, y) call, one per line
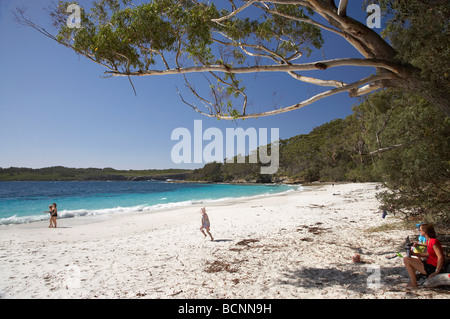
point(140, 209)
point(296, 245)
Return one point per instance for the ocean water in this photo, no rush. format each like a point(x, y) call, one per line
point(25, 202)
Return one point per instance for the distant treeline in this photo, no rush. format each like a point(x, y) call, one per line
point(60, 173)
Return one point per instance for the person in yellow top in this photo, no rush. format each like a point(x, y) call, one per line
point(421, 244)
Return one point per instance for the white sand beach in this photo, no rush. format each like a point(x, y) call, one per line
point(295, 245)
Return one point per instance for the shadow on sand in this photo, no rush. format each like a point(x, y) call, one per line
point(356, 277)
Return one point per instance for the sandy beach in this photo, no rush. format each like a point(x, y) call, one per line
point(296, 245)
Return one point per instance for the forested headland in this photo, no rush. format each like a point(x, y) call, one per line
point(392, 137)
point(60, 173)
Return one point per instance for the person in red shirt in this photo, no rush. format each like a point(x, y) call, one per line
point(434, 255)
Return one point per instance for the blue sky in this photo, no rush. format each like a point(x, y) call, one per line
point(56, 109)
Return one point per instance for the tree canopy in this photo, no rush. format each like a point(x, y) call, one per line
point(163, 37)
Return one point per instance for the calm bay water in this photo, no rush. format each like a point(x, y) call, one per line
point(24, 202)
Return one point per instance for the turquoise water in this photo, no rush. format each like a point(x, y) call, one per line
point(24, 202)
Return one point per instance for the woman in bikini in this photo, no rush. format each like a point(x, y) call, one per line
point(53, 215)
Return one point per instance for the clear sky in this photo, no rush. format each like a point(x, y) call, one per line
point(56, 109)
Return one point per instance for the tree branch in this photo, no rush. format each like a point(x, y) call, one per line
point(392, 147)
point(384, 149)
point(365, 40)
point(313, 99)
point(232, 14)
point(316, 81)
point(310, 21)
point(342, 9)
point(280, 60)
point(322, 65)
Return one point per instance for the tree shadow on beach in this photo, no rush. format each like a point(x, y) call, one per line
point(358, 277)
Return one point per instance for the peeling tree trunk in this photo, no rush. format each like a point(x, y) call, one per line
point(369, 43)
point(372, 45)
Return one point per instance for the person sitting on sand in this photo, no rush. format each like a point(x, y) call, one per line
point(205, 223)
point(434, 255)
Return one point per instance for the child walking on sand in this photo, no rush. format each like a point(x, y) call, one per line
point(205, 223)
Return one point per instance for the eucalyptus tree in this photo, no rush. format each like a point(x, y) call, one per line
point(224, 40)
point(416, 168)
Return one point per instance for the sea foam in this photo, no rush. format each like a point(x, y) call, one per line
point(76, 213)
